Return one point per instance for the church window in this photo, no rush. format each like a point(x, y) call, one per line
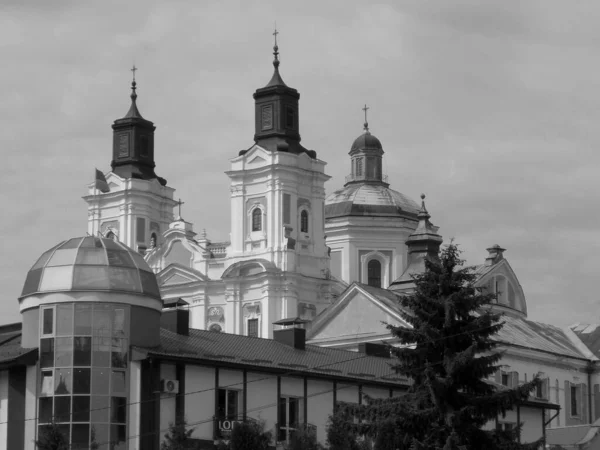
point(378, 170)
point(257, 219)
point(144, 145)
point(374, 273)
point(575, 391)
point(253, 327)
point(304, 221)
point(267, 117)
point(140, 229)
point(215, 327)
point(371, 167)
point(111, 235)
point(359, 167)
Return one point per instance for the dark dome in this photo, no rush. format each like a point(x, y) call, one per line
point(91, 264)
point(366, 141)
point(366, 199)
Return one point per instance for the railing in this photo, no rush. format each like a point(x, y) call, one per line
point(285, 433)
point(350, 178)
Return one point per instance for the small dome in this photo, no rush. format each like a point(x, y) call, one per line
point(363, 199)
point(91, 264)
point(366, 141)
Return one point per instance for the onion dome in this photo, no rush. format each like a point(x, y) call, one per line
point(366, 141)
point(89, 263)
point(367, 199)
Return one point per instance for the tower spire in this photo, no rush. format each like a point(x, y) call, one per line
point(275, 49)
point(133, 109)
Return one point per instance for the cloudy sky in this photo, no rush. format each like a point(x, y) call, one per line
point(490, 108)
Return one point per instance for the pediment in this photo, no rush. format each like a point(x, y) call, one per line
point(176, 274)
point(257, 160)
point(356, 316)
point(515, 291)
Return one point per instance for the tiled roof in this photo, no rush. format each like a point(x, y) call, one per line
point(267, 353)
point(10, 347)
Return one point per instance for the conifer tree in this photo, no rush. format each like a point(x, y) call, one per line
point(449, 354)
point(50, 437)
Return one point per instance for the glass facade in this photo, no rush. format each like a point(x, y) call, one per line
point(83, 379)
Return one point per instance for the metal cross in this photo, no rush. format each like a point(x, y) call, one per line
point(133, 70)
point(179, 203)
point(365, 109)
point(275, 33)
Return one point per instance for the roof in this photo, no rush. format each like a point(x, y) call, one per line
point(11, 351)
point(366, 199)
point(589, 334)
point(366, 141)
point(244, 351)
point(91, 264)
point(574, 435)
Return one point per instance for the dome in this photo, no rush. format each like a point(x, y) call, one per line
point(366, 141)
point(363, 199)
point(91, 264)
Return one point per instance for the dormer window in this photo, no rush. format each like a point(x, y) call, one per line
point(257, 219)
point(289, 117)
point(374, 273)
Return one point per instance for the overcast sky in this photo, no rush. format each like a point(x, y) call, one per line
point(489, 108)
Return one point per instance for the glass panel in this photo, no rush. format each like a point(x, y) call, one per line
point(57, 278)
point(87, 242)
point(92, 256)
point(65, 430)
point(46, 383)
point(124, 279)
point(71, 243)
point(232, 402)
point(83, 351)
point(99, 436)
point(99, 409)
point(81, 381)
point(45, 413)
point(62, 257)
point(118, 328)
point(100, 381)
point(44, 258)
point(81, 408)
point(101, 347)
point(90, 277)
point(80, 436)
point(48, 321)
point(62, 409)
point(118, 382)
point(149, 284)
point(32, 282)
point(118, 409)
point(83, 319)
point(117, 437)
point(110, 244)
point(64, 320)
point(119, 258)
point(140, 262)
point(47, 352)
point(64, 352)
point(63, 382)
point(102, 320)
point(221, 406)
point(140, 229)
point(119, 352)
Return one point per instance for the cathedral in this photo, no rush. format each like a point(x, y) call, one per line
point(334, 265)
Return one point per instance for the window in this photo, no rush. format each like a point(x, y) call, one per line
point(257, 219)
point(304, 221)
point(215, 327)
point(541, 390)
point(253, 327)
point(505, 426)
point(374, 273)
point(228, 406)
point(574, 400)
point(289, 416)
point(48, 321)
point(359, 167)
point(289, 117)
point(140, 229)
point(505, 379)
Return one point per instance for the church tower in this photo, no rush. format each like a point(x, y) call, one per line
point(131, 203)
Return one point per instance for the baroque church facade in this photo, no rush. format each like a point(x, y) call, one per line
point(335, 263)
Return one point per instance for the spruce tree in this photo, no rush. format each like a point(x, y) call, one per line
point(449, 354)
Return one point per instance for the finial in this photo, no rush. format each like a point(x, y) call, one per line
point(423, 209)
point(275, 48)
point(133, 83)
point(366, 125)
point(179, 203)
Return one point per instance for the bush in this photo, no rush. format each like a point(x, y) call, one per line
point(304, 439)
point(179, 437)
point(250, 435)
point(50, 437)
point(339, 435)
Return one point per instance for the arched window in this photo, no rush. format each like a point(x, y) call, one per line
point(215, 327)
point(257, 219)
point(304, 221)
point(153, 240)
point(111, 235)
point(374, 273)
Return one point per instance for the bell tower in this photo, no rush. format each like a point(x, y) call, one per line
point(131, 203)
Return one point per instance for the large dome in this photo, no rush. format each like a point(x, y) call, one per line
point(364, 199)
point(91, 264)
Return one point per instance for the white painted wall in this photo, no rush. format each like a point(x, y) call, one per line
point(31, 407)
point(320, 405)
point(167, 401)
point(3, 408)
point(200, 400)
point(135, 407)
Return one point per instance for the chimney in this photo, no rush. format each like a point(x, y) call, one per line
point(495, 255)
point(291, 335)
point(176, 320)
point(373, 349)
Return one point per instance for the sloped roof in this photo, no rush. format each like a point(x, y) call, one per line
point(589, 334)
point(232, 349)
point(11, 350)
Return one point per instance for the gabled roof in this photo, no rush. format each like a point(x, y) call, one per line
point(176, 273)
point(249, 352)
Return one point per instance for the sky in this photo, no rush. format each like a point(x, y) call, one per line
point(489, 108)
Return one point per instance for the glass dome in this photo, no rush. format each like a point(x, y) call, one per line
point(91, 264)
